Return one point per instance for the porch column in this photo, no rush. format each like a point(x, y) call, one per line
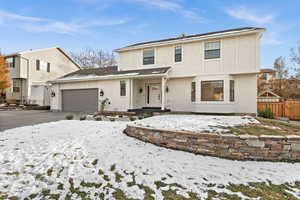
point(163, 90)
point(131, 93)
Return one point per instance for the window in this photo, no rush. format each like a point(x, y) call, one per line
point(212, 91)
point(178, 54)
point(212, 50)
point(193, 91)
point(122, 88)
point(231, 90)
point(48, 67)
point(16, 85)
point(148, 57)
point(37, 65)
point(10, 61)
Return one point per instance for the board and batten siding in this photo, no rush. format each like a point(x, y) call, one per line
point(239, 54)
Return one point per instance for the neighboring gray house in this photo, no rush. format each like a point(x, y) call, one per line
point(30, 70)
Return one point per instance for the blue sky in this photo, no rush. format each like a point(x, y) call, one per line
point(110, 24)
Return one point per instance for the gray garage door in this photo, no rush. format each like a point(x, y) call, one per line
point(83, 100)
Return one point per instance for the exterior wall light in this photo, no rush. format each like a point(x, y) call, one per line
point(52, 94)
point(141, 90)
point(101, 93)
point(167, 89)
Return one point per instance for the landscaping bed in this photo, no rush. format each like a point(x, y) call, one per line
point(94, 160)
point(232, 137)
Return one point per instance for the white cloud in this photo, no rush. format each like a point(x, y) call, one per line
point(250, 15)
point(4, 16)
point(173, 7)
point(35, 24)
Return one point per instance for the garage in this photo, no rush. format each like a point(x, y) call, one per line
point(80, 100)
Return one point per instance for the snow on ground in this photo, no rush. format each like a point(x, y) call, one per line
point(195, 123)
point(91, 156)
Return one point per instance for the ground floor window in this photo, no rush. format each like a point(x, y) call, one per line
point(122, 88)
point(231, 90)
point(212, 90)
point(193, 91)
point(16, 85)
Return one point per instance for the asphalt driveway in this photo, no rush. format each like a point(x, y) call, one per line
point(18, 118)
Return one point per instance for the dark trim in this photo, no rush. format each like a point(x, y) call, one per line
point(148, 94)
point(195, 35)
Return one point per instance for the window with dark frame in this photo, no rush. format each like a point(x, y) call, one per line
point(212, 90)
point(48, 67)
point(212, 50)
point(122, 88)
point(178, 54)
point(231, 90)
point(148, 57)
point(16, 85)
point(37, 65)
point(10, 61)
point(193, 91)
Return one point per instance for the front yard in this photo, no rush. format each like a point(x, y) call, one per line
point(95, 160)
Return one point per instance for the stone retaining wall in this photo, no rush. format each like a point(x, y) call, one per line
point(244, 147)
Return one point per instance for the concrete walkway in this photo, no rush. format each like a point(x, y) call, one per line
point(19, 118)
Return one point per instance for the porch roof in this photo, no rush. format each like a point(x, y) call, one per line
point(112, 72)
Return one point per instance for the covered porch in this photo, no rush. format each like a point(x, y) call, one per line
point(148, 93)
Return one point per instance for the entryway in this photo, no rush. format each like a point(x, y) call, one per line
point(153, 95)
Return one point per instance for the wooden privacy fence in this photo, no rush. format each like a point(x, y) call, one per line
point(288, 108)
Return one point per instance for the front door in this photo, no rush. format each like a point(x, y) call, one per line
point(153, 97)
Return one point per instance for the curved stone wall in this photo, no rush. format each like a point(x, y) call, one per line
point(243, 147)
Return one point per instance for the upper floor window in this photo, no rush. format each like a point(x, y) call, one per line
point(122, 88)
point(212, 50)
point(10, 61)
point(212, 91)
point(37, 65)
point(178, 54)
point(148, 57)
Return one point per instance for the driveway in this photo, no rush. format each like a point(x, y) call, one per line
point(18, 118)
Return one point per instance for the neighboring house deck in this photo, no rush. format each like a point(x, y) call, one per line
point(29, 72)
point(209, 73)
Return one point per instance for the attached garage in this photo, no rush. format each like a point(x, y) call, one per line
point(80, 100)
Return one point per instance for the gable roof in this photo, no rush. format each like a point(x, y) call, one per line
point(111, 72)
point(268, 94)
point(37, 50)
point(267, 70)
point(185, 37)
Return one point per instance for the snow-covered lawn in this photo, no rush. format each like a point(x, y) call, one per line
point(95, 160)
point(195, 123)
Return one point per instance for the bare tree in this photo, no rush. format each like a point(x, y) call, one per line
point(94, 58)
point(281, 75)
point(295, 58)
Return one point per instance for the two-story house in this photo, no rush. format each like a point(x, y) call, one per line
point(29, 72)
point(213, 72)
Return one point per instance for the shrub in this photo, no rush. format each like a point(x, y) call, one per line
point(69, 117)
point(112, 119)
point(266, 113)
point(140, 117)
point(132, 118)
point(98, 118)
point(82, 118)
point(146, 115)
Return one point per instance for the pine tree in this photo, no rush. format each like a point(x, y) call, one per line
point(4, 81)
